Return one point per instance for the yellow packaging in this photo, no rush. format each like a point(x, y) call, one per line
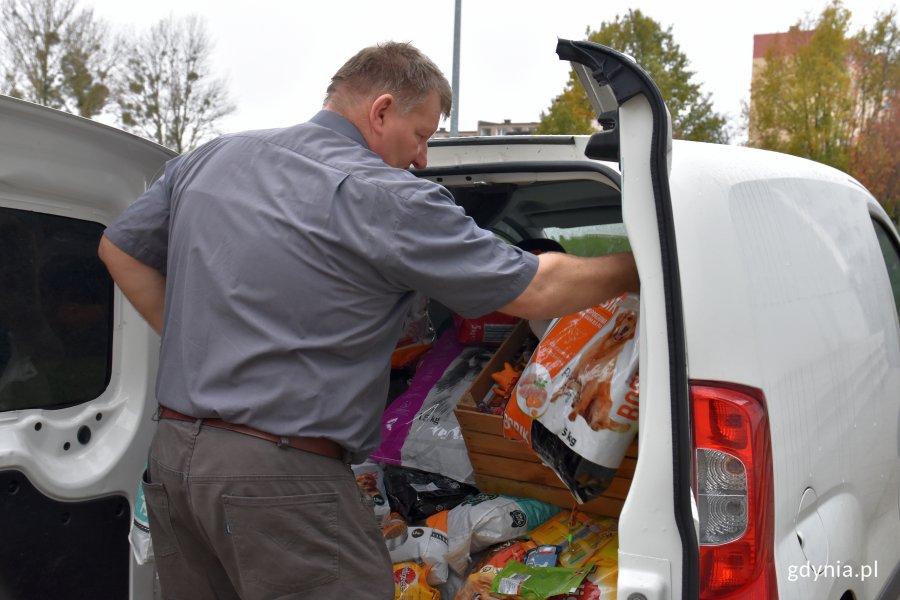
point(410, 583)
point(578, 537)
point(606, 568)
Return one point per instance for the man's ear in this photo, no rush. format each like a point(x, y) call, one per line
point(379, 111)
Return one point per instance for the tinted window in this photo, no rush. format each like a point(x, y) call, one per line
point(583, 215)
point(592, 240)
point(892, 259)
point(55, 311)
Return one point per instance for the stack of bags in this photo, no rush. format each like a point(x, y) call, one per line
point(448, 541)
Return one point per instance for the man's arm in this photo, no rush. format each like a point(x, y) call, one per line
point(565, 284)
point(144, 286)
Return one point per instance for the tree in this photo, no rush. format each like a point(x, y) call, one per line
point(876, 161)
point(56, 55)
point(875, 157)
point(168, 93)
point(570, 112)
point(653, 48)
point(802, 100)
point(833, 98)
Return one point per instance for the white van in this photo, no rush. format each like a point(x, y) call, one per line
point(769, 449)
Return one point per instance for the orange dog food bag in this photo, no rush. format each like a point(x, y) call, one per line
point(576, 403)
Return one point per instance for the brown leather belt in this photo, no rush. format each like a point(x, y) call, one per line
point(315, 445)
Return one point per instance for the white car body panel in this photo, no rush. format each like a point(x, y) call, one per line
point(760, 235)
point(58, 164)
point(764, 309)
point(648, 564)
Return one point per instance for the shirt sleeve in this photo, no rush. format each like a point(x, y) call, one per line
point(142, 230)
point(437, 249)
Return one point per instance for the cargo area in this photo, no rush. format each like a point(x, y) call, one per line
point(510, 467)
point(464, 506)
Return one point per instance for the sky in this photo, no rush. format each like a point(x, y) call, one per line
point(277, 57)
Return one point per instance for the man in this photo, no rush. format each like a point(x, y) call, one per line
point(278, 266)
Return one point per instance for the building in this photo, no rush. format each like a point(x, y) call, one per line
point(489, 129)
point(782, 44)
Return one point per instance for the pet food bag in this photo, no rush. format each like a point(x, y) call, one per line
point(419, 429)
point(604, 576)
point(577, 535)
point(139, 535)
point(370, 480)
point(479, 580)
point(418, 334)
point(416, 495)
point(489, 330)
point(399, 417)
point(536, 583)
point(576, 403)
point(410, 583)
point(425, 546)
point(484, 520)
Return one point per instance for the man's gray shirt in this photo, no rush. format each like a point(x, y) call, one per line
point(291, 258)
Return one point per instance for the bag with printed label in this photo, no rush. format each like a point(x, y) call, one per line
point(425, 546)
point(416, 495)
point(479, 580)
point(489, 330)
point(419, 429)
point(576, 403)
point(410, 583)
point(139, 536)
point(536, 583)
point(370, 481)
point(577, 535)
point(418, 334)
point(484, 520)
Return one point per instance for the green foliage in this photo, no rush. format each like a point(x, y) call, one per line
point(833, 98)
point(570, 113)
point(802, 101)
point(639, 36)
point(53, 54)
point(597, 244)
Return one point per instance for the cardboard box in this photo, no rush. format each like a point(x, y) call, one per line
point(510, 467)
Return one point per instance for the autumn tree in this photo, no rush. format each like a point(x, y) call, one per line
point(802, 99)
point(875, 155)
point(833, 98)
point(168, 91)
point(55, 54)
point(653, 48)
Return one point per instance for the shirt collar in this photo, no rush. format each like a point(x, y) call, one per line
point(336, 122)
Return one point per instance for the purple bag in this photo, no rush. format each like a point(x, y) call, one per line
point(399, 416)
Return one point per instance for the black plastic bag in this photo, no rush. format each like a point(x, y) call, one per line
point(417, 495)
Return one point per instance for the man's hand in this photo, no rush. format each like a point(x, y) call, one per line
point(565, 284)
point(144, 286)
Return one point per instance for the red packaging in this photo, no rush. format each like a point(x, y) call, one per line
point(489, 330)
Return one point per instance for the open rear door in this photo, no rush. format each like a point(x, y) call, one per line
point(658, 552)
point(77, 363)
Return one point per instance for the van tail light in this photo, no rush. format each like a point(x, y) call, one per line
point(734, 489)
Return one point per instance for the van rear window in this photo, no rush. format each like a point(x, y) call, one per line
point(892, 260)
point(583, 215)
point(55, 311)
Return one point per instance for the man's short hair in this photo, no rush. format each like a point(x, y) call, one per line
point(393, 68)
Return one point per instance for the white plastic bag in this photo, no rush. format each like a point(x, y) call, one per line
point(139, 536)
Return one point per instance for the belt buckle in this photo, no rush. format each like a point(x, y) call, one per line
point(283, 442)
